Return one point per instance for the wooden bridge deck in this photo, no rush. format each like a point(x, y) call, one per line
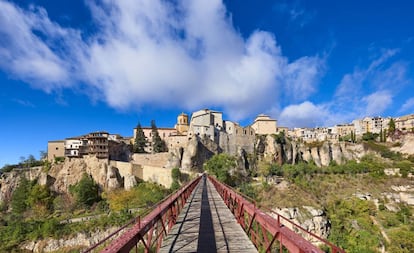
point(206, 225)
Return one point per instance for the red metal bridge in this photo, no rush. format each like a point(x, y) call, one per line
point(208, 216)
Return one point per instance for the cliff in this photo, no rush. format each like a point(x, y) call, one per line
point(283, 150)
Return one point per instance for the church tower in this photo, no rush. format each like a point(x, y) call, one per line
point(182, 124)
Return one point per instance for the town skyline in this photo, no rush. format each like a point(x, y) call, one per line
point(70, 68)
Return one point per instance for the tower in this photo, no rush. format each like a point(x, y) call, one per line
point(182, 124)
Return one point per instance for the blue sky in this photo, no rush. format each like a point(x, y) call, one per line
point(71, 67)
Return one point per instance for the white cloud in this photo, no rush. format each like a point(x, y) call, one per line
point(377, 102)
point(305, 114)
point(27, 55)
point(153, 52)
point(407, 106)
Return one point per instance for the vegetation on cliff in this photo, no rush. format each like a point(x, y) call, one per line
point(35, 212)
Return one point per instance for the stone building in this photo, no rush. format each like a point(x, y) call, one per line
point(55, 149)
point(405, 123)
point(263, 124)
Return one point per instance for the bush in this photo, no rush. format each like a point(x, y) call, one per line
point(86, 191)
point(369, 136)
point(220, 166)
point(248, 190)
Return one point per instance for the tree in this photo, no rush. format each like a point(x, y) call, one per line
point(391, 126)
point(176, 177)
point(368, 136)
point(43, 155)
point(220, 166)
point(86, 191)
point(140, 140)
point(381, 136)
point(19, 199)
point(158, 145)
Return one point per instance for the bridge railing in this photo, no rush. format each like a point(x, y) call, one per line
point(149, 231)
point(270, 233)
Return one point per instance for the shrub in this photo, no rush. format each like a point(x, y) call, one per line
point(220, 166)
point(86, 191)
point(369, 136)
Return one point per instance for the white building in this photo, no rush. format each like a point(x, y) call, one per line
point(75, 147)
point(206, 123)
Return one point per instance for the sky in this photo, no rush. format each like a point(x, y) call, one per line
point(68, 68)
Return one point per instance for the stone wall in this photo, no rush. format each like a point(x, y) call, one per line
point(157, 159)
point(155, 174)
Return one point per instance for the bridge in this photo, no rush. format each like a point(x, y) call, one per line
point(208, 216)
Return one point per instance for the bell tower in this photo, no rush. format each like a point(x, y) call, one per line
point(182, 124)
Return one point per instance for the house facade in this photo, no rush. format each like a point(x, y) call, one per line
point(405, 123)
point(55, 149)
point(263, 124)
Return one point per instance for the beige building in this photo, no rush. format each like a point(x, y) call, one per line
point(344, 129)
point(55, 149)
point(405, 123)
point(370, 124)
point(263, 124)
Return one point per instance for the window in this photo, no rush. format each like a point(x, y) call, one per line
point(57, 148)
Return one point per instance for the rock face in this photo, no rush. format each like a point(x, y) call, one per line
point(407, 145)
point(312, 219)
point(61, 176)
point(10, 180)
point(322, 154)
point(71, 171)
point(81, 240)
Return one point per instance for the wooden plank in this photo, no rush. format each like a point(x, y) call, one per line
point(230, 236)
point(223, 235)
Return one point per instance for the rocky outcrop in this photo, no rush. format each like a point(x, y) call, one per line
point(312, 219)
point(71, 171)
point(401, 194)
point(10, 180)
point(407, 144)
point(81, 240)
point(197, 152)
point(322, 154)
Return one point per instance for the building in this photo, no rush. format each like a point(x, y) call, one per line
point(98, 144)
point(344, 130)
point(370, 125)
point(405, 123)
point(55, 149)
point(182, 124)
point(206, 123)
point(263, 124)
point(76, 146)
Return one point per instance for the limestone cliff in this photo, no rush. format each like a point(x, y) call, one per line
point(61, 176)
point(311, 219)
point(282, 151)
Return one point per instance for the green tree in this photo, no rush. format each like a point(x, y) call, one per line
point(353, 138)
point(381, 136)
point(19, 198)
point(220, 166)
point(391, 126)
point(176, 177)
point(158, 145)
point(368, 136)
point(140, 141)
point(86, 191)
